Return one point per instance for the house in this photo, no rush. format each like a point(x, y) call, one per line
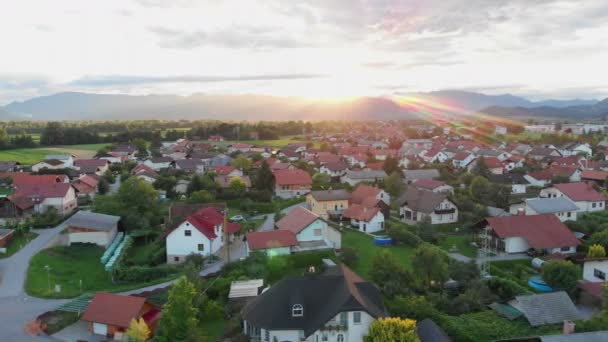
point(572, 173)
point(494, 165)
point(433, 185)
point(328, 203)
point(127, 151)
point(6, 235)
point(271, 242)
point(200, 233)
point(90, 227)
point(516, 181)
point(337, 304)
point(549, 128)
point(576, 148)
point(539, 178)
point(9, 166)
point(147, 176)
point(355, 177)
point(49, 164)
point(291, 183)
point(434, 155)
point(544, 233)
point(364, 218)
point(239, 148)
point(38, 198)
point(216, 138)
point(597, 176)
point(562, 207)
point(85, 186)
point(595, 270)
point(334, 169)
point(414, 175)
point(462, 159)
point(224, 181)
point(110, 314)
point(92, 166)
point(226, 170)
point(311, 231)
point(189, 165)
point(416, 204)
point(159, 163)
point(501, 130)
point(546, 308)
point(364, 191)
point(584, 195)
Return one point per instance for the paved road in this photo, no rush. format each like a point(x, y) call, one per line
point(17, 308)
point(115, 186)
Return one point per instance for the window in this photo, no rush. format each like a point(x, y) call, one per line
point(201, 247)
point(324, 336)
point(343, 318)
point(569, 214)
point(297, 310)
point(318, 232)
point(599, 274)
point(593, 205)
point(357, 317)
point(176, 259)
point(187, 233)
point(601, 204)
point(266, 335)
point(340, 338)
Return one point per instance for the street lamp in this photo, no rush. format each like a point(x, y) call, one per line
point(48, 269)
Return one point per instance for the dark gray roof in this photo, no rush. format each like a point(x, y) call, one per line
point(497, 212)
point(546, 308)
point(421, 200)
point(7, 165)
point(330, 195)
point(429, 331)
point(593, 336)
point(372, 174)
point(551, 205)
point(322, 296)
point(188, 164)
point(412, 175)
point(91, 220)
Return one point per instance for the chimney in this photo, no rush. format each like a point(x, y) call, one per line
point(568, 327)
point(521, 212)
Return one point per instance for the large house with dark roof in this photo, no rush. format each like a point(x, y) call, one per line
point(200, 233)
point(418, 203)
point(582, 194)
point(337, 305)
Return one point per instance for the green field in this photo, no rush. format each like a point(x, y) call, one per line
point(17, 243)
point(29, 156)
point(69, 266)
point(284, 141)
point(461, 242)
point(366, 249)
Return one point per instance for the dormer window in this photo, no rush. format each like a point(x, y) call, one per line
point(297, 310)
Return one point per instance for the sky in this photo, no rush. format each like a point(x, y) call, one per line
point(312, 48)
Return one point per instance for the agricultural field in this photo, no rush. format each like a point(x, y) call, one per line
point(282, 142)
point(29, 156)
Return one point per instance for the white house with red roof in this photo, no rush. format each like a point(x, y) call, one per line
point(463, 159)
point(365, 219)
point(433, 185)
point(334, 169)
point(434, 155)
point(271, 242)
point(586, 198)
point(312, 232)
point(201, 233)
point(39, 198)
point(239, 148)
point(291, 183)
point(85, 186)
point(544, 233)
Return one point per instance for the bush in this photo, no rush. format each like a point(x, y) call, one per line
point(349, 256)
point(143, 273)
point(506, 289)
point(213, 310)
point(307, 259)
point(403, 236)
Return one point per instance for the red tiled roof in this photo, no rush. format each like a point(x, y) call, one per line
point(428, 183)
point(232, 227)
point(460, 156)
point(291, 177)
point(563, 170)
point(205, 221)
point(360, 212)
point(298, 219)
point(375, 166)
point(541, 175)
point(271, 239)
point(580, 192)
point(594, 175)
point(22, 178)
point(222, 170)
point(541, 231)
point(43, 191)
point(337, 166)
point(90, 162)
point(328, 158)
point(493, 162)
point(432, 152)
point(279, 166)
point(362, 192)
point(141, 168)
point(86, 184)
point(113, 309)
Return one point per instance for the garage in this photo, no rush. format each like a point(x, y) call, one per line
point(100, 329)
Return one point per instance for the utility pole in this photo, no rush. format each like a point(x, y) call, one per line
point(226, 235)
point(47, 268)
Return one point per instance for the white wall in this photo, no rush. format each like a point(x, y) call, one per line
point(516, 245)
point(180, 245)
point(589, 266)
point(374, 225)
point(99, 238)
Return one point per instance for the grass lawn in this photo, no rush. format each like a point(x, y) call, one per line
point(462, 243)
point(17, 243)
point(282, 142)
point(488, 326)
point(213, 329)
point(29, 156)
point(365, 247)
point(68, 266)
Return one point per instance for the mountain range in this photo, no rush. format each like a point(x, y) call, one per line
point(88, 106)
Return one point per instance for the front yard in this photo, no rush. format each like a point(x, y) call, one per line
point(458, 243)
point(18, 242)
point(76, 269)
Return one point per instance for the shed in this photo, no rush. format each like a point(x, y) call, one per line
point(546, 308)
point(90, 227)
point(245, 288)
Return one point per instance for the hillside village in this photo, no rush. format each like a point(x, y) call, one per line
point(461, 234)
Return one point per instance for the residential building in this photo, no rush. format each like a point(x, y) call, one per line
point(271, 242)
point(433, 185)
point(328, 203)
point(416, 204)
point(414, 175)
point(546, 308)
point(311, 231)
point(200, 233)
point(38, 198)
point(224, 181)
point(85, 186)
point(364, 218)
point(189, 165)
point(462, 159)
point(291, 183)
point(337, 305)
point(587, 199)
point(159, 163)
point(9, 166)
point(544, 233)
point(364, 191)
point(518, 183)
point(595, 270)
point(355, 177)
point(90, 227)
point(334, 169)
point(562, 207)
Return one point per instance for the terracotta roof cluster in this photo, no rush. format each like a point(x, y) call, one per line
point(580, 192)
point(292, 177)
point(595, 175)
point(541, 231)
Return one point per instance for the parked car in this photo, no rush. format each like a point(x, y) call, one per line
point(237, 218)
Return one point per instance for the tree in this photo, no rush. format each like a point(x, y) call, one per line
point(103, 187)
point(201, 196)
point(431, 266)
point(237, 185)
point(394, 185)
point(142, 147)
point(390, 276)
point(480, 188)
point(179, 320)
point(391, 165)
point(196, 184)
point(600, 238)
point(241, 163)
point(264, 179)
point(52, 134)
point(137, 195)
point(392, 329)
point(561, 275)
point(596, 251)
point(500, 195)
point(321, 180)
point(481, 168)
point(425, 229)
point(138, 330)
point(349, 256)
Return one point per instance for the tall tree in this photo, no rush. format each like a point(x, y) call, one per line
point(391, 165)
point(425, 229)
point(431, 266)
point(390, 276)
point(481, 168)
point(264, 179)
point(392, 329)
point(394, 185)
point(480, 189)
point(179, 321)
point(138, 331)
point(561, 275)
point(241, 163)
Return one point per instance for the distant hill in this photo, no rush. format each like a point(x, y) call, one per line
point(87, 106)
point(595, 111)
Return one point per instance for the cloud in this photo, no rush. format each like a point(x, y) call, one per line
point(121, 80)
